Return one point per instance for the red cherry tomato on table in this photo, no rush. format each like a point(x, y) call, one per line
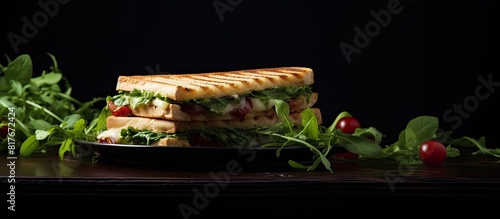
point(432, 153)
point(348, 124)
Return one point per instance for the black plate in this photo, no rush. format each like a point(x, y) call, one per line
point(210, 157)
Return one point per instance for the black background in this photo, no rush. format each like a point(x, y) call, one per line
point(427, 58)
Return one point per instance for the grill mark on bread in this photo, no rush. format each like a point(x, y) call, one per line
point(179, 83)
point(202, 83)
point(229, 77)
point(255, 76)
point(283, 75)
point(271, 79)
point(246, 75)
point(207, 79)
point(294, 69)
point(191, 82)
point(245, 78)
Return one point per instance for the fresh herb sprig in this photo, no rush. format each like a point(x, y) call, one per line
point(45, 112)
point(469, 142)
point(405, 149)
point(319, 139)
point(422, 128)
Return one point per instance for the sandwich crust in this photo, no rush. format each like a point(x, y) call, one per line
point(181, 87)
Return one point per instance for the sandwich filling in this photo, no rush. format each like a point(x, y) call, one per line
point(237, 105)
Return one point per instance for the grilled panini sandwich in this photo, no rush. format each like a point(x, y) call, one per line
point(217, 95)
point(206, 109)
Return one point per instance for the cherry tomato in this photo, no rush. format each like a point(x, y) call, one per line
point(348, 124)
point(122, 111)
point(4, 130)
point(119, 110)
point(240, 113)
point(432, 153)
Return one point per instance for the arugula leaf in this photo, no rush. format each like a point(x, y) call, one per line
point(310, 123)
point(131, 135)
point(282, 93)
point(20, 69)
point(423, 127)
point(47, 79)
point(370, 132)
point(282, 110)
point(359, 145)
point(480, 144)
point(40, 124)
point(100, 121)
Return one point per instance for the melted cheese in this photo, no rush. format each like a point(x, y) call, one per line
point(113, 133)
point(258, 105)
point(160, 103)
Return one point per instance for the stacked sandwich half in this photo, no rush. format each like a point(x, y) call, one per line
point(221, 109)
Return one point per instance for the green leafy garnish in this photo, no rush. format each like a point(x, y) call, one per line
point(131, 135)
point(20, 69)
point(45, 112)
point(406, 148)
point(469, 142)
point(317, 138)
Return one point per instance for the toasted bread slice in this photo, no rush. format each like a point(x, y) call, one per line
point(181, 87)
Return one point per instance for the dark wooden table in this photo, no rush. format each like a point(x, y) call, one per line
point(464, 186)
